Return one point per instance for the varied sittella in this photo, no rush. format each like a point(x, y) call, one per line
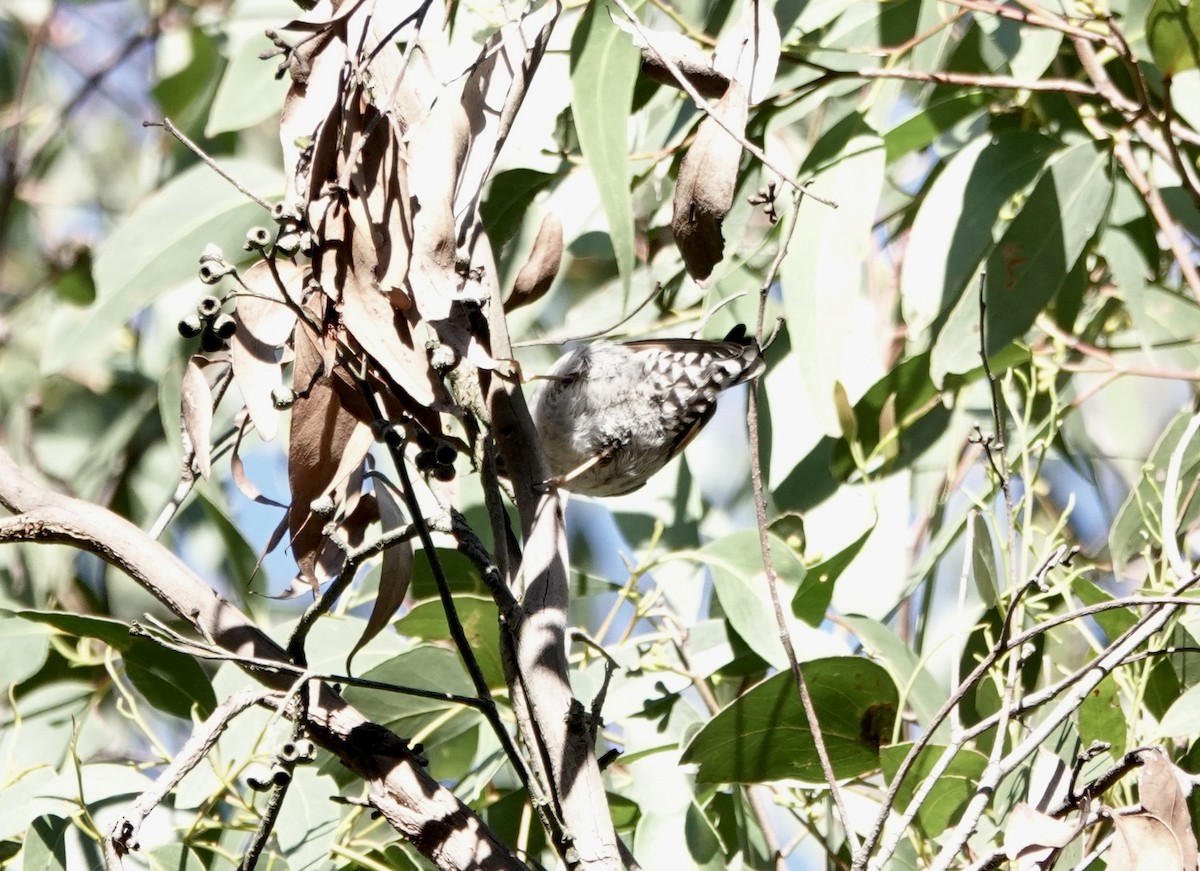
point(612, 414)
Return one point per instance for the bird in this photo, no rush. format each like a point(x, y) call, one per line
point(612, 414)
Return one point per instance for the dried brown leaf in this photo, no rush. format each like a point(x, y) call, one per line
point(264, 324)
point(197, 417)
point(706, 184)
point(491, 97)
point(749, 51)
point(1143, 842)
point(541, 268)
point(436, 149)
point(329, 439)
point(1027, 831)
point(385, 334)
point(310, 112)
point(1162, 796)
point(395, 575)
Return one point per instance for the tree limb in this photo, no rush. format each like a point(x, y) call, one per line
point(429, 816)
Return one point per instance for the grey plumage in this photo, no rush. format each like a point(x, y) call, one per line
point(629, 408)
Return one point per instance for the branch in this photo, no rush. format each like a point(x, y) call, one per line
point(433, 820)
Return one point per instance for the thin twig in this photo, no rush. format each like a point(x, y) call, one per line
point(166, 124)
point(760, 513)
point(122, 836)
point(709, 109)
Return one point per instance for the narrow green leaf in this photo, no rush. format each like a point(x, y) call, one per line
point(1028, 265)
point(764, 736)
point(924, 126)
point(604, 66)
point(830, 569)
point(983, 563)
point(1135, 526)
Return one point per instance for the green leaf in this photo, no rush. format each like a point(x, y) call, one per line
point(1162, 317)
point(239, 560)
point(1173, 31)
point(157, 248)
point(1180, 720)
point(20, 789)
point(983, 563)
point(74, 283)
point(427, 668)
point(427, 621)
point(24, 646)
point(170, 681)
point(740, 585)
point(951, 791)
point(919, 689)
point(897, 418)
point(763, 735)
point(506, 207)
point(249, 93)
point(604, 67)
point(827, 251)
point(175, 857)
point(1115, 621)
point(45, 845)
point(954, 227)
point(1101, 718)
point(830, 569)
point(1028, 265)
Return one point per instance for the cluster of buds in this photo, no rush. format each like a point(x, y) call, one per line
point(213, 326)
point(293, 238)
point(291, 754)
point(435, 457)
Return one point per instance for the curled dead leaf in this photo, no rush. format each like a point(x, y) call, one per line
point(1143, 842)
point(706, 184)
point(491, 97)
point(1163, 796)
point(396, 573)
point(1028, 831)
point(660, 48)
point(541, 268)
point(197, 417)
